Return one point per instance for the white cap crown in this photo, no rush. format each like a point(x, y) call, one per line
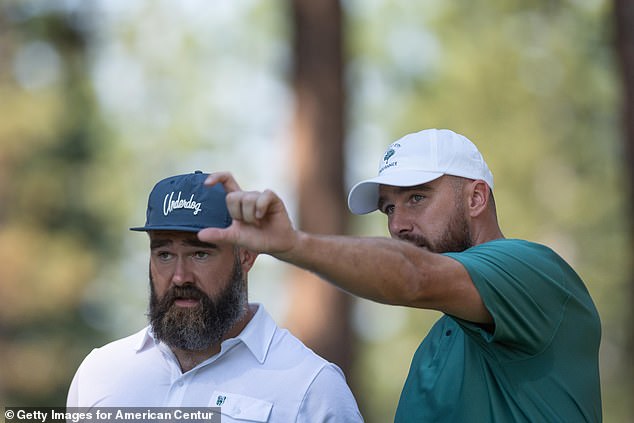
point(419, 158)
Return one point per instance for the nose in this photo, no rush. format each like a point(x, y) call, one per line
point(399, 223)
point(182, 273)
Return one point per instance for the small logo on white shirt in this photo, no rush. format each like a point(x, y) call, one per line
point(220, 400)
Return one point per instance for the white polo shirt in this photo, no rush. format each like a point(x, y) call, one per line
point(265, 374)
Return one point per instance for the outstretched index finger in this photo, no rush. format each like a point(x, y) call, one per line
point(225, 178)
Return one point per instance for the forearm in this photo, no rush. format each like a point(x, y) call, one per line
point(379, 269)
point(390, 271)
point(385, 270)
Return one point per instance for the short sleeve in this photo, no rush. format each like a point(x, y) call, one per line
point(329, 399)
point(523, 286)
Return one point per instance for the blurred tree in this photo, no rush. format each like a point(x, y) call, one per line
point(52, 232)
point(319, 314)
point(624, 37)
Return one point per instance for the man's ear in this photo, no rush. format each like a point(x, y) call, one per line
point(247, 258)
point(479, 197)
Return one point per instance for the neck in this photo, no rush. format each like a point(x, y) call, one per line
point(485, 227)
point(189, 359)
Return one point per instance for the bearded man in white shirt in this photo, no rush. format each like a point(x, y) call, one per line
point(206, 345)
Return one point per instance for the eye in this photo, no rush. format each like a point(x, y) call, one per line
point(388, 209)
point(163, 255)
point(200, 255)
point(415, 198)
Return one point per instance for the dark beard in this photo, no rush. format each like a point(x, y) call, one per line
point(197, 328)
point(456, 238)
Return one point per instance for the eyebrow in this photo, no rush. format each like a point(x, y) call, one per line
point(421, 187)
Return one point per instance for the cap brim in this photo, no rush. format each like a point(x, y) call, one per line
point(167, 228)
point(364, 196)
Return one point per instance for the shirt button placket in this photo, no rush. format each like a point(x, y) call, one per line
point(177, 392)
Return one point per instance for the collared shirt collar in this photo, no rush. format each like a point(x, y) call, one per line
point(257, 336)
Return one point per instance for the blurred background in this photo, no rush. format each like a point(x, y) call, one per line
point(99, 99)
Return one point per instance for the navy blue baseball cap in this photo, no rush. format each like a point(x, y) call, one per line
point(184, 203)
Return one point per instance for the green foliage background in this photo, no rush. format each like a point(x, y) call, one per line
point(98, 100)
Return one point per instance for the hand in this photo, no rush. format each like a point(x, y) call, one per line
point(260, 220)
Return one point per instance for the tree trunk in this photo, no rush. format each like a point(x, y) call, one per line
point(624, 22)
point(319, 312)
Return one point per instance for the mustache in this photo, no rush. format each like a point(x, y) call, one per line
point(187, 292)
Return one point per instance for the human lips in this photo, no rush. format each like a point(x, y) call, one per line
point(186, 302)
point(186, 297)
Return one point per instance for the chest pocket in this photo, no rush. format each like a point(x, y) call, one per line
point(240, 407)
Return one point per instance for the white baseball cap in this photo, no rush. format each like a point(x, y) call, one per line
point(419, 158)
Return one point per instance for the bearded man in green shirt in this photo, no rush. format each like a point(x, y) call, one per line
point(519, 338)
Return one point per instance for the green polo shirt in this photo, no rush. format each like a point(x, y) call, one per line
point(540, 364)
